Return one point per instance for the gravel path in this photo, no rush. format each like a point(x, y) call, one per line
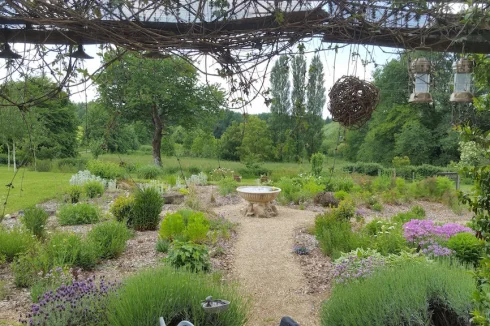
point(267, 268)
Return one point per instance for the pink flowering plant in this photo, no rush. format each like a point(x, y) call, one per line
point(430, 238)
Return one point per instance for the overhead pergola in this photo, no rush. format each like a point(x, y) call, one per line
point(211, 26)
point(240, 34)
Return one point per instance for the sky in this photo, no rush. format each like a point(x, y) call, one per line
point(335, 66)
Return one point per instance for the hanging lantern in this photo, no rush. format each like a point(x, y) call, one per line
point(79, 54)
point(421, 72)
point(7, 53)
point(462, 81)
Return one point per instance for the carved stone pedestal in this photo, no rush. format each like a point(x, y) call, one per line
point(261, 210)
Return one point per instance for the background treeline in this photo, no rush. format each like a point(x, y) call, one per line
point(194, 119)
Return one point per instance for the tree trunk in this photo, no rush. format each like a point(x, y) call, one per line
point(157, 135)
point(8, 156)
point(13, 148)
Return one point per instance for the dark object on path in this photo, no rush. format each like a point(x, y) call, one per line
point(288, 321)
point(326, 199)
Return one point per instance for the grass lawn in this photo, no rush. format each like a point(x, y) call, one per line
point(206, 164)
point(30, 187)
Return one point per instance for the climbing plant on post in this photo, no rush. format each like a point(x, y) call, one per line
point(479, 199)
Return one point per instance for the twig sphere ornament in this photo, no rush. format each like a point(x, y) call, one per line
point(352, 101)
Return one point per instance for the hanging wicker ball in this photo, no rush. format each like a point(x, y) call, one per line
point(352, 101)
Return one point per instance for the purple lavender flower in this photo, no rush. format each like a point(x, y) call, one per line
point(81, 302)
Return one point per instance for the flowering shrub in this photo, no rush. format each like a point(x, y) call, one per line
point(80, 303)
point(357, 264)
point(360, 264)
point(430, 237)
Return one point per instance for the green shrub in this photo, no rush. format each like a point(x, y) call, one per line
point(122, 207)
point(407, 294)
point(34, 220)
point(71, 164)
point(81, 213)
point(197, 227)
point(376, 225)
point(63, 248)
point(162, 245)
point(176, 295)
point(400, 161)
point(339, 183)
point(341, 195)
point(317, 161)
point(93, 189)
point(371, 169)
point(149, 172)
point(418, 211)
point(27, 267)
point(96, 148)
point(15, 242)
point(75, 192)
point(44, 165)
point(345, 211)
point(289, 189)
point(382, 183)
point(389, 240)
point(415, 213)
point(106, 170)
point(146, 210)
point(468, 248)
point(88, 256)
point(335, 236)
point(189, 255)
point(227, 186)
point(377, 207)
point(185, 225)
point(110, 237)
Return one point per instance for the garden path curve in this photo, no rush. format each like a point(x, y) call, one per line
point(268, 270)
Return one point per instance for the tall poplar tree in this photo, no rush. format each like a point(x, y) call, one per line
point(314, 108)
point(280, 123)
point(298, 99)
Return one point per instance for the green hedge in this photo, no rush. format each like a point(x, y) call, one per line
point(421, 171)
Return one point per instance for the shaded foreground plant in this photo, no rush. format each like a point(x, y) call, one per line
point(407, 294)
point(176, 295)
point(80, 303)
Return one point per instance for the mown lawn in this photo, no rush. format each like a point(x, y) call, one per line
point(206, 164)
point(30, 188)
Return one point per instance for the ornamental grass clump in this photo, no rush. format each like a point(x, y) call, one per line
point(175, 295)
point(146, 209)
point(79, 303)
point(34, 220)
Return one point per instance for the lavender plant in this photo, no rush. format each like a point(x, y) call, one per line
point(79, 303)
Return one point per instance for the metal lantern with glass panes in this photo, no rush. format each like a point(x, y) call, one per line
point(420, 69)
point(462, 81)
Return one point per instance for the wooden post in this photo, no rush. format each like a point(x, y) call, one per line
point(458, 179)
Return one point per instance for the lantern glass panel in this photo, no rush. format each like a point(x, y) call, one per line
point(422, 82)
point(462, 82)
